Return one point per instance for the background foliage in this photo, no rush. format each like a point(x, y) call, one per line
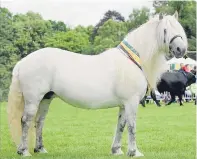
point(22, 34)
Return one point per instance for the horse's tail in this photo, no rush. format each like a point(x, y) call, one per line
point(15, 107)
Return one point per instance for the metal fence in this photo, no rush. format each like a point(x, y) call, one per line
point(166, 97)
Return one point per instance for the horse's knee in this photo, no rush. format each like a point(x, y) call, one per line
point(25, 119)
point(28, 115)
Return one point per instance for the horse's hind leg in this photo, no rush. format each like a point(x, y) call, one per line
point(40, 117)
point(116, 145)
point(180, 99)
point(26, 120)
point(130, 114)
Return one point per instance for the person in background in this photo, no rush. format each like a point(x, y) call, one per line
point(193, 86)
point(181, 66)
point(186, 68)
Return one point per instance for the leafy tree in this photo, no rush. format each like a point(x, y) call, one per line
point(58, 26)
point(109, 35)
point(87, 30)
point(114, 15)
point(7, 50)
point(70, 40)
point(138, 17)
point(6, 33)
point(29, 32)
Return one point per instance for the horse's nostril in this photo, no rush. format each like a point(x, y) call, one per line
point(178, 49)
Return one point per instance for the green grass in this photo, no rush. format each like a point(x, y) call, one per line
point(72, 133)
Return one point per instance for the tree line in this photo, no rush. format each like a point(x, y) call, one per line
point(22, 34)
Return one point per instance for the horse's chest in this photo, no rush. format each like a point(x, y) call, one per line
point(131, 83)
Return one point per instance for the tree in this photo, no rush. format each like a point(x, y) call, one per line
point(70, 40)
point(7, 51)
point(58, 26)
point(29, 32)
point(109, 35)
point(138, 17)
point(114, 15)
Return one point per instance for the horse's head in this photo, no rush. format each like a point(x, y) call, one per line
point(191, 78)
point(172, 36)
point(193, 71)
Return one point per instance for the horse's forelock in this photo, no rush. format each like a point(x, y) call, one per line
point(170, 23)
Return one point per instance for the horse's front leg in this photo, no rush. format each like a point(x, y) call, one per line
point(116, 145)
point(153, 96)
point(143, 101)
point(180, 99)
point(130, 114)
point(172, 99)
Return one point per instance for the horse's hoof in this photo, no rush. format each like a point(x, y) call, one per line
point(25, 153)
point(41, 150)
point(138, 154)
point(117, 152)
point(131, 153)
point(134, 153)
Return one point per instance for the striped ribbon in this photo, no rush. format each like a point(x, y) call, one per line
point(131, 52)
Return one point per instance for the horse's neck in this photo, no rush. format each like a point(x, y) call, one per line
point(154, 69)
point(153, 62)
point(144, 40)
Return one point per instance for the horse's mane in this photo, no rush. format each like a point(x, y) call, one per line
point(151, 46)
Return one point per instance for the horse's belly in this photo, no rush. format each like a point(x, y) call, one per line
point(90, 100)
point(86, 85)
point(87, 94)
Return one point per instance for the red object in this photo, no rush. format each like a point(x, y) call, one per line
point(186, 69)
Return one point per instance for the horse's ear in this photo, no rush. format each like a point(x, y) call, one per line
point(160, 16)
point(176, 15)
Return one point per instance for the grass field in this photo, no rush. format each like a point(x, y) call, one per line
point(72, 133)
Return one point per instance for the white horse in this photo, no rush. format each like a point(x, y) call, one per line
point(107, 80)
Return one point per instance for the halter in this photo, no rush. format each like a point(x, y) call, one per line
point(174, 37)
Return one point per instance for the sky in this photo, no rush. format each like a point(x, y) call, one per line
point(74, 12)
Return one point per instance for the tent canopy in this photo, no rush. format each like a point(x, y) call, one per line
point(190, 61)
point(182, 60)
